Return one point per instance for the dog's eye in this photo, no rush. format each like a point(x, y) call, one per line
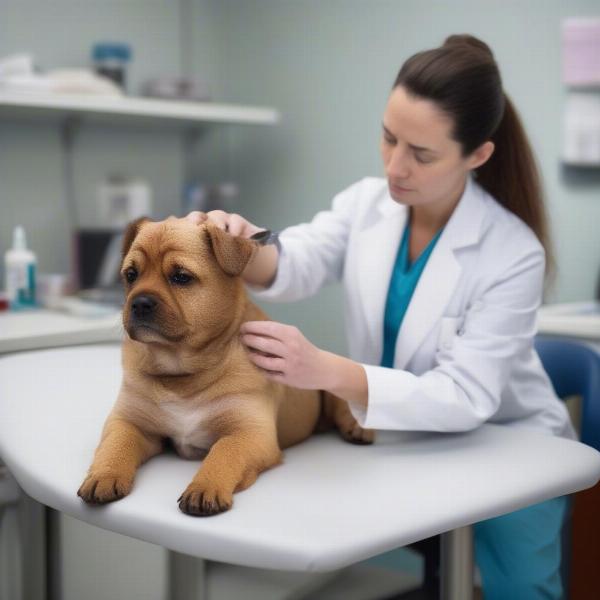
point(131, 275)
point(180, 278)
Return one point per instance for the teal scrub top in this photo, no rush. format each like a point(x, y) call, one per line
point(405, 277)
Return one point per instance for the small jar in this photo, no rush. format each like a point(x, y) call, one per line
point(110, 60)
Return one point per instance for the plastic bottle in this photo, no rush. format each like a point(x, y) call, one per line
point(110, 60)
point(20, 269)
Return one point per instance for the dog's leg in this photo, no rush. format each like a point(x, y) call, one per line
point(336, 411)
point(233, 464)
point(123, 448)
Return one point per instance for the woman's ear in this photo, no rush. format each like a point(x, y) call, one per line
point(232, 253)
point(481, 155)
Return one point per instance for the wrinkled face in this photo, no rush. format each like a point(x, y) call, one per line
point(178, 292)
point(423, 164)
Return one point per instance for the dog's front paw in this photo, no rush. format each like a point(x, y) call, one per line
point(100, 489)
point(338, 411)
point(355, 434)
point(204, 499)
point(350, 430)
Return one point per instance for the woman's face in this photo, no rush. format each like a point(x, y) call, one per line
point(422, 163)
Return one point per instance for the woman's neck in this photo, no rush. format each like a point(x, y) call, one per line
point(432, 217)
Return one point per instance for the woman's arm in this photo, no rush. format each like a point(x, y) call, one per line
point(312, 255)
point(458, 394)
point(261, 270)
point(346, 379)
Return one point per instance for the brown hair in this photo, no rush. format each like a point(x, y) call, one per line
point(463, 79)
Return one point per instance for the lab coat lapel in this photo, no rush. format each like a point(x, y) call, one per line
point(378, 244)
point(440, 276)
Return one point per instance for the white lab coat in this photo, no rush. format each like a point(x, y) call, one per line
point(464, 352)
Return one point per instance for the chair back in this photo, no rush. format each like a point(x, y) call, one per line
point(574, 370)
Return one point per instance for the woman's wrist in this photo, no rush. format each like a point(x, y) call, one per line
point(261, 270)
point(345, 379)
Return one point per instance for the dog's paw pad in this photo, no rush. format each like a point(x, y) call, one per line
point(201, 501)
point(100, 489)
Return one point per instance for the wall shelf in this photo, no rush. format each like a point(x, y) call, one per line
point(132, 109)
point(569, 164)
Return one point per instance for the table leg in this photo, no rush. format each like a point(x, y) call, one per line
point(53, 555)
point(457, 564)
point(187, 577)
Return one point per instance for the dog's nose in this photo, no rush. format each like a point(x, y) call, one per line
point(143, 306)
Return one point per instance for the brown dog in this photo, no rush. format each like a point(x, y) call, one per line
point(188, 378)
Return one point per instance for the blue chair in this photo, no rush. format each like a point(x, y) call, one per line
point(574, 370)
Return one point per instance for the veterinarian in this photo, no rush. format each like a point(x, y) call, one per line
point(443, 264)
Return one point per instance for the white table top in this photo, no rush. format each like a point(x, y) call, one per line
point(42, 328)
point(329, 505)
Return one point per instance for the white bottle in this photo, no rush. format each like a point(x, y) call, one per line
point(20, 270)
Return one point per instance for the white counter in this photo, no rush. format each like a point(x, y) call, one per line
point(40, 328)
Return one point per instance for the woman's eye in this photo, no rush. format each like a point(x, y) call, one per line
point(423, 161)
point(389, 140)
point(131, 275)
point(180, 278)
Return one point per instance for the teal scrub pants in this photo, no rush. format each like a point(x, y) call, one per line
point(519, 554)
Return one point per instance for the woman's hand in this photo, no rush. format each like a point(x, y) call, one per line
point(285, 355)
point(260, 271)
point(233, 223)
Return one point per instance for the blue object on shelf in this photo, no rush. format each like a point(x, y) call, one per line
point(110, 60)
point(111, 50)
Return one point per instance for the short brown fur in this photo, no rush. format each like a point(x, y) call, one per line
point(188, 378)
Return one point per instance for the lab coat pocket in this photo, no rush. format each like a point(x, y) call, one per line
point(449, 327)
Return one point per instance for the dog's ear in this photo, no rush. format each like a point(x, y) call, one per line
point(130, 232)
point(232, 253)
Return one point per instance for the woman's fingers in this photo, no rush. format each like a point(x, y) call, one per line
point(238, 226)
point(233, 223)
point(197, 217)
point(220, 218)
point(273, 364)
point(263, 344)
point(265, 328)
point(284, 354)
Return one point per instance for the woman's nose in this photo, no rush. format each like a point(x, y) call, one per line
point(397, 165)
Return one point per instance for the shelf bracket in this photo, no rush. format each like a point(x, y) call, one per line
point(190, 137)
point(69, 128)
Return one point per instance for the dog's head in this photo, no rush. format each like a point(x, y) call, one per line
point(181, 280)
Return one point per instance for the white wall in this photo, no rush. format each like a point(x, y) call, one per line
point(61, 34)
point(328, 66)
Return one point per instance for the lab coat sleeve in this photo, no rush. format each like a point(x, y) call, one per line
point(313, 254)
point(464, 389)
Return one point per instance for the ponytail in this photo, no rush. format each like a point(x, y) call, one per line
point(512, 177)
